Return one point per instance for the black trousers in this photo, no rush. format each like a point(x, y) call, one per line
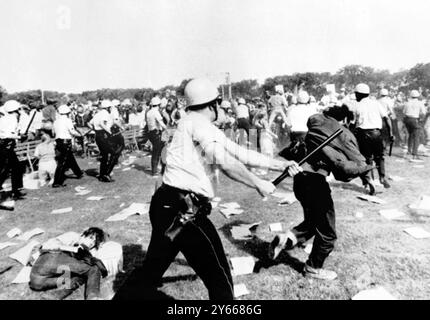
point(243, 123)
point(413, 128)
point(110, 151)
point(157, 146)
point(10, 163)
point(371, 147)
point(199, 242)
point(314, 194)
point(65, 160)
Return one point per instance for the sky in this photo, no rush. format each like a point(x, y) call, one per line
point(77, 45)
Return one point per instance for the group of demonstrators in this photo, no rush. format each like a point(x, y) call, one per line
point(205, 133)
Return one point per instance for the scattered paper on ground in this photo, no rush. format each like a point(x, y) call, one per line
point(13, 233)
point(240, 290)
point(391, 213)
point(126, 169)
point(400, 160)
point(308, 248)
point(371, 199)
point(30, 234)
point(275, 227)
point(95, 198)
point(279, 194)
point(230, 205)
point(378, 293)
point(68, 238)
point(8, 204)
point(133, 209)
point(214, 204)
point(241, 233)
point(359, 214)
point(23, 276)
point(83, 193)
point(422, 204)
point(418, 166)
point(80, 188)
point(242, 265)
point(397, 178)
point(417, 232)
point(230, 212)
point(63, 210)
point(4, 245)
point(23, 255)
point(216, 199)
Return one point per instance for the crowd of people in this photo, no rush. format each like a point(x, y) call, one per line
point(248, 134)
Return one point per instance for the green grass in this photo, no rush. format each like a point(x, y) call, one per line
point(369, 251)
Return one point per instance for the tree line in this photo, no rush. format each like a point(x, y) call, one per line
point(418, 77)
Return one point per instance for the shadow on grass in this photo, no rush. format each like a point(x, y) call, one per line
point(133, 255)
point(259, 249)
point(144, 169)
point(92, 172)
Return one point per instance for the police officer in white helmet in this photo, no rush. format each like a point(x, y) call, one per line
point(370, 115)
point(8, 159)
point(154, 121)
point(64, 133)
point(179, 208)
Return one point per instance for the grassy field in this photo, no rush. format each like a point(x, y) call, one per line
point(370, 250)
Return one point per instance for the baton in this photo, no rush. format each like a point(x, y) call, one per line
point(391, 148)
point(285, 174)
point(31, 121)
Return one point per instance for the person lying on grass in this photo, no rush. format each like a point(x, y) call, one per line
point(66, 267)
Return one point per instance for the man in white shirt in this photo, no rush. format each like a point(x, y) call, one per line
point(154, 121)
point(179, 208)
point(242, 116)
point(298, 116)
point(64, 132)
point(278, 104)
point(102, 123)
point(388, 105)
point(369, 115)
point(8, 159)
point(413, 110)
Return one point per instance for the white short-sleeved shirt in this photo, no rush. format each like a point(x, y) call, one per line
point(298, 116)
point(102, 116)
point(24, 121)
point(63, 126)
point(278, 101)
point(242, 111)
point(369, 114)
point(186, 167)
point(388, 104)
point(414, 108)
point(8, 127)
point(153, 119)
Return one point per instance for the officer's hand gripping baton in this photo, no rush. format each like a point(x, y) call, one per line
point(285, 174)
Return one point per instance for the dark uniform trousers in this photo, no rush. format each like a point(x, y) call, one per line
point(65, 160)
point(314, 194)
point(9, 161)
point(157, 146)
point(198, 241)
point(372, 148)
point(413, 127)
point(110, 151)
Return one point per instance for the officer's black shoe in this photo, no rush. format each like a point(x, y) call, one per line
point(372, 189)
point(105, 179)
point(385, 183)
point(56, 185)
point(17, 195)
point(80, 175)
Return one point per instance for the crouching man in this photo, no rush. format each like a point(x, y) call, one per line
point(66, 267)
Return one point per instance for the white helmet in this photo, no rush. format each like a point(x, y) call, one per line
point(199, 91)
point(115, 102)
point(155, 101)
point(383, 92)
point(362, 88)
point(415, 94)
point(241, 101)
point(312, 99)
point(279, 89)
point(106, 104)
point(225, 105)
point(303, 97)
point(63, 109)
point(11, 106)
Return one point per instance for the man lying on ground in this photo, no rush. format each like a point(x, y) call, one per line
point(61, 266)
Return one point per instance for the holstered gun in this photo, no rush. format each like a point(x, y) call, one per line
point(192, 208)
